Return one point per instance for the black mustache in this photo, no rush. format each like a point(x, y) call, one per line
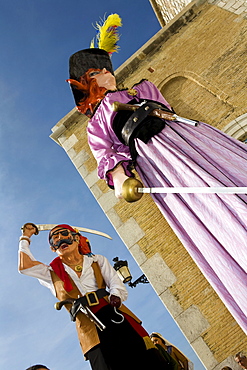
point(62, 241)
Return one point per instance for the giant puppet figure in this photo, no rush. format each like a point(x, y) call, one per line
point(168, 153)
point(110, 335)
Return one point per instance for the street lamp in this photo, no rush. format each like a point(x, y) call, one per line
point(124, 273)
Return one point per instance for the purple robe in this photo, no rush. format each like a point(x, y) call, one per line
point(212, 227)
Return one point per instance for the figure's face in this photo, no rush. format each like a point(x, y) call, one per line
point(242, 361)
point(104, 78)
point(63, 242)
point(156, 340)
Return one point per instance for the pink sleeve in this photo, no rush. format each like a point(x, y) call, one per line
point(105, 146)
point(107, 149)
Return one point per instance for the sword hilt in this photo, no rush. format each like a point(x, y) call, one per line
point(130, 189)
point(58, 305)
point(33, 225)
point(117, 106)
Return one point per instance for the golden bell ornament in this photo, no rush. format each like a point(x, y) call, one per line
point(130, 190)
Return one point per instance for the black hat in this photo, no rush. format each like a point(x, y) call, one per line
point(83, 60)
point(95, 57)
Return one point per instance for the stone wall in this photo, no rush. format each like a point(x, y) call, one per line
point(238, 7)
point(166, 10)
point(198, 61)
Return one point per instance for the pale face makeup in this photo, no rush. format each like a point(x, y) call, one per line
point(104, 79)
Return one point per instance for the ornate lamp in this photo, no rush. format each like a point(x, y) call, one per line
point(124, 273)
point(122, 269)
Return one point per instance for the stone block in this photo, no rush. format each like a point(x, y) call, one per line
point(68, 143)
point(82, 171)
point(114, 218)
point(91, 178)
point(138, 254)
point(96, 191)
point(206, 356)
point(107, 200)
point(80, 158)
point(158, 273)
point(130, 232)
point(192, 323)
point(171, 303)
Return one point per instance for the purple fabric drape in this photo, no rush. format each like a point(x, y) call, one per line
point(212, 227)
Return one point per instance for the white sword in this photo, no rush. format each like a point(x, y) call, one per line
point(83, 229)
point(133, 190)
point(191, 190)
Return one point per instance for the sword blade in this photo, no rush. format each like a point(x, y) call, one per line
point(194, 190)
point(83, 229)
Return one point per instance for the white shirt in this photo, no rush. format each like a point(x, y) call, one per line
point(86, 282)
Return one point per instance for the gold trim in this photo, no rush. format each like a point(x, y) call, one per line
point(88, 299)
point(132, 92)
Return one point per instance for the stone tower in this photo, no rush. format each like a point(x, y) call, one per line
point(213, 90)
point(166, 10)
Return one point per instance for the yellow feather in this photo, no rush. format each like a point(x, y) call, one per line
point(107, 34)
point(92, 44)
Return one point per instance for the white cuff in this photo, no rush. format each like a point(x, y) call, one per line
point(24, 247)
point(25, 237)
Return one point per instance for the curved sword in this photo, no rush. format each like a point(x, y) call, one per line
point(83, 229)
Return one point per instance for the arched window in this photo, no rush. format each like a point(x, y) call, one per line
point(238, 128)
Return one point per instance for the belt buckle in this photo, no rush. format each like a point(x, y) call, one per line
point(87, 295)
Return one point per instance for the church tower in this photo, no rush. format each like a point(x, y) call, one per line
point(166, 10)
point(213, 89)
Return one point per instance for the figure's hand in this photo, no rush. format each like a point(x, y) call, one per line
point(29, 229)
point(115, 301)
point(118, 177)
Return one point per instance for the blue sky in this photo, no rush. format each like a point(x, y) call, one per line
point(39, 183)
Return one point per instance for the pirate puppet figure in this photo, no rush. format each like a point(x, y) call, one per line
point(170, 153)
point(110, 335)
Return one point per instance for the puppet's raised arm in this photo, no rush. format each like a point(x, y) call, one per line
point(112, 156)
point(28, 265)
point(26, 259)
